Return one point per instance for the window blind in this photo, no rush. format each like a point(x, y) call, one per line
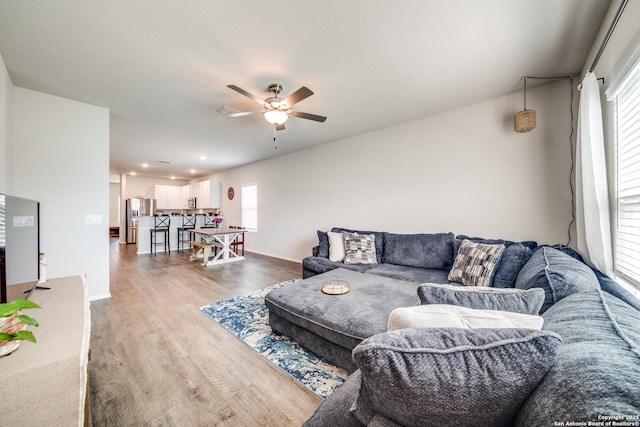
point(627, 233)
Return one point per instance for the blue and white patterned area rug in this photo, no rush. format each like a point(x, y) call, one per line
point(247, 317)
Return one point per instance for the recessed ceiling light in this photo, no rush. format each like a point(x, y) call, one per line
point(132, 173)
point(192, 171)
point(145, 165)
point(203, 157)
point(173, 177)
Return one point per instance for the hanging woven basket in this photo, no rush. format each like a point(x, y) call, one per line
point(525, 121)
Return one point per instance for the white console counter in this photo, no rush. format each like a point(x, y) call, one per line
point(45, 384)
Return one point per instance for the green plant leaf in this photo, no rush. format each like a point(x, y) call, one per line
point(26, 320)
point(25, 335)
point(16, 305)
point(5, 337)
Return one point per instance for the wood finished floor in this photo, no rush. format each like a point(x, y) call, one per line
point(157, 360)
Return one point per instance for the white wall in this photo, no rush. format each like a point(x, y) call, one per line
point(464, 171)
point(61, 158)
point(6, 90)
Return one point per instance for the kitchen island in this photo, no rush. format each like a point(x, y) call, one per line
point(146, 223)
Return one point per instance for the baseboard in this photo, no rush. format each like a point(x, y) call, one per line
point(299, 261)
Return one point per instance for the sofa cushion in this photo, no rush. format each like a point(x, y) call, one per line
point(597, 370)
point(433, 251)
point(342, 319)
point(513, 300)
point(334, 411)
point(359, 248)
point(559, 274)
point(455, 316)
point(451, 377)
point(379, 239)
point(323, 244)
point(607, 284)
point(410, 274)
point(321, 265)
point(614, 288)
point(460, 237)
point(475, 263)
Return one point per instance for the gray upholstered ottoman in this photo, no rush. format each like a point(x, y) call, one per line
point(332, 325)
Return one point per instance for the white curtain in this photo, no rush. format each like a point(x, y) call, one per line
point(592, 194)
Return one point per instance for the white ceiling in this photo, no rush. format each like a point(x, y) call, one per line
point(162, 66)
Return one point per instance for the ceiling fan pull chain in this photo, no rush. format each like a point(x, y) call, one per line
point(275, 143)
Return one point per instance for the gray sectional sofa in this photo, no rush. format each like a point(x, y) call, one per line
point(583, 366)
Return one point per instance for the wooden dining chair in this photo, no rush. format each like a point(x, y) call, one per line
point(239, 241)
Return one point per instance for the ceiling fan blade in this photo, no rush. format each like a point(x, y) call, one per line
point(243, 113)
point(248, 95)
point(232, 112)
point(279, 127)
point(297, 96)
point(307, 116)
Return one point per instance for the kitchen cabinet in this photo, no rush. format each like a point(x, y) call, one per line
point(174, 197)
point(208, 194)
point(168, 197)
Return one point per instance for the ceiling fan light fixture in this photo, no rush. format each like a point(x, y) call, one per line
point(276, 117)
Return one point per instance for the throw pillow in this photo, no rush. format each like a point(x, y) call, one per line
point(359, 248)
point(323, 244)
point(451, 377)
point(336, 246)
point(512, 260)
point(453, 316)
point(379, 239)
point(514, 300)
point(559, 274)
point(475, 263)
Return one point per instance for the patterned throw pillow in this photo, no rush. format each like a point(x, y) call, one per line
point(475, 263)
point(359, 248)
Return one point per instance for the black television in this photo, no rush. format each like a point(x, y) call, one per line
point(19, 247)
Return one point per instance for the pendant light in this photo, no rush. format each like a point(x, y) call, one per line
point(525, 120)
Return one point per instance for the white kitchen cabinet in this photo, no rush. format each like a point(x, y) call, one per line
point(214, 194)
point(161, 194)
point(208, 194)
point(174, 197)
point(168, 196)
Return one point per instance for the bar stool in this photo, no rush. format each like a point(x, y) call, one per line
point(188, 224)
point(160, 225)
point(209, 221)
point(239, 241)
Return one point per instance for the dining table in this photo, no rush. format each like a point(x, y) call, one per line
point(221, 239)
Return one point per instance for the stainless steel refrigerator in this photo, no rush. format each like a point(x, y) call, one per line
point(135, 209)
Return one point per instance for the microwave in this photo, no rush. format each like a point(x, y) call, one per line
point(191, 203)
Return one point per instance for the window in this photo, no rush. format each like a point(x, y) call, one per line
point(627, 189)
point(250, 207)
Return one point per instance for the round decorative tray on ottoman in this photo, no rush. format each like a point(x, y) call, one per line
point(335, 286)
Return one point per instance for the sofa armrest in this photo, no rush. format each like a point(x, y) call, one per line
point(335, 410)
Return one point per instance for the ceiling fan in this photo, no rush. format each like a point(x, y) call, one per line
point(275, 109)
